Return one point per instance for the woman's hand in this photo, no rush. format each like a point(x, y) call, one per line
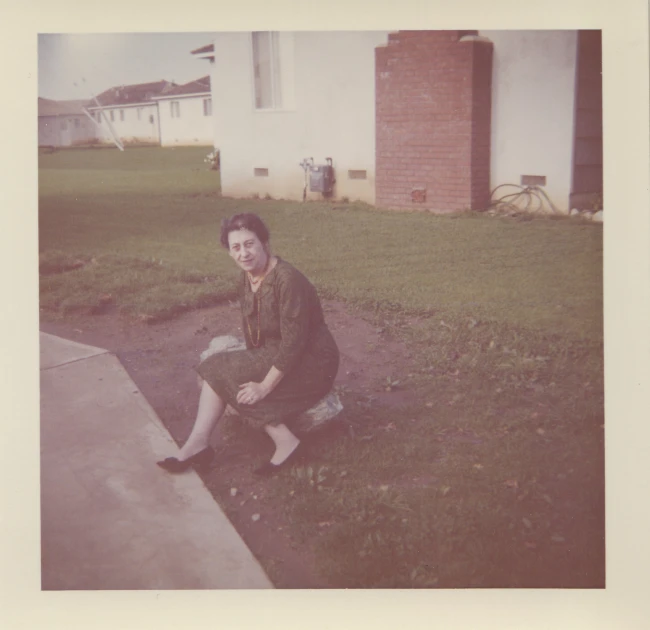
point(251, 393)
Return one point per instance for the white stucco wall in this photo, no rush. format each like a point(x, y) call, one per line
point(132, 129)
point(328, 111)
point(533, 102)
point(192, 128)
point(51, 133)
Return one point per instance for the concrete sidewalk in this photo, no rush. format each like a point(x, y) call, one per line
point(111, 518)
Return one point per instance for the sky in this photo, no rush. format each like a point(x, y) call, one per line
point(106, 60)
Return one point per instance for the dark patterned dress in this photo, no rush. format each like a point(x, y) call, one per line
point(293, 337)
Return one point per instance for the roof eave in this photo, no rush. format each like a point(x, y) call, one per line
point(113, 105)
point(208, 56)
point(59, 114)
point(171, 97)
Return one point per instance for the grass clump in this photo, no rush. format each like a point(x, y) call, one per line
point(134, 286)
point(55, 261)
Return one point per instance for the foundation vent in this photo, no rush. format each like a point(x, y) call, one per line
point(357, 175)
point(419, 195)
point(533, 180)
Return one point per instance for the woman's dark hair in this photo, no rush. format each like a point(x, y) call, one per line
point(244, 221)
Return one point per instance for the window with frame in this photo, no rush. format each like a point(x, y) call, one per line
point(122, 115)
point(266, 70)
point(139, 113)
point(77, 123)
point(112, 115)
point(64, 125)
point(175, 109)
point(207, 107)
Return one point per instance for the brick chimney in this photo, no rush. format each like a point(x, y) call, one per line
point(433, 93)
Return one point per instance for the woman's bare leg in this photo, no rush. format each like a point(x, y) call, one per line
point(211, 408)
point(285, 442)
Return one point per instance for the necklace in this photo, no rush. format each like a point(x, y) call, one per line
point(257, 301)
point(255, 281)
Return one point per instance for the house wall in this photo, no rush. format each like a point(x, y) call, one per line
point(533, 103)
point(328, 110)
point(192, 128)
point(132, 129)
point(51, 131)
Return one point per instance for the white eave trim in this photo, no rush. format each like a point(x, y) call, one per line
point(178, 96)
point(123, 106)
point(77, 115)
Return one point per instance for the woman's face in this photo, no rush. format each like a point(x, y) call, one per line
point(247, 251)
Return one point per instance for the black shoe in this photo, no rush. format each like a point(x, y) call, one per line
point(269, 469)
point(201, 459)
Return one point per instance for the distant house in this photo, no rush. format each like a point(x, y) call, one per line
point(63, 123)
point(411, 119)
point(132, 112)
point(185, 114)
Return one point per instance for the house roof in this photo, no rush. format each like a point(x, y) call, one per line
point(48, 107)
point(204, 49)
point(205, 52)
point(130, 94)
point(200, 86)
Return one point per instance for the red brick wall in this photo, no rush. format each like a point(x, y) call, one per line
point(433, 96)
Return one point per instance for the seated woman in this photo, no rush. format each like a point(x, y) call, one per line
point(290, 361)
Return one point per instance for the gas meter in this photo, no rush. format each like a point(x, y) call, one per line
point(321, 177)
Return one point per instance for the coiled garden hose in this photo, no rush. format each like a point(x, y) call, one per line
point(525, 199)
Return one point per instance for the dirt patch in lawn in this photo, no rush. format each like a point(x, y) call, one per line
point(160, 359)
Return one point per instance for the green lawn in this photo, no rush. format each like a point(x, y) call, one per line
point(507, 361)
point(161, 205)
